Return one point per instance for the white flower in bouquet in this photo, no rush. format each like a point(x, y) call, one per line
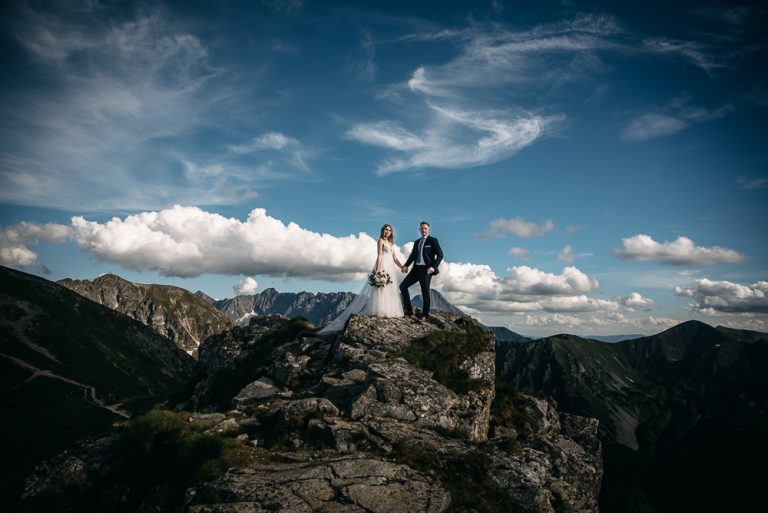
point(379, 279)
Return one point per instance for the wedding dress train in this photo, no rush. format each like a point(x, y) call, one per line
point(379, 301)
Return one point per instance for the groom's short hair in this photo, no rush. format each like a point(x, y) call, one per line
point(423, 222)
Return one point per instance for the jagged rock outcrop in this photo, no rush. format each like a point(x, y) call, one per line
point(389, 415)
point(438, 303)
point(176, 313)
point(318, 308)
point(367, 392)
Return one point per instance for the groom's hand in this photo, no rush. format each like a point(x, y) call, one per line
point(404, 269)
point(430, 271)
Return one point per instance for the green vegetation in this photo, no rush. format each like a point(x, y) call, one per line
point(503, 411)
point(157, 457)
point(443, 352)
point(163, 446)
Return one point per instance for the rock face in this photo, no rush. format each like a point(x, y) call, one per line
point(675, 409)
point(349, 483)
point(317, 308)
point(185, 318)
point(390, 415)
point(412, 431)
point(438, 303)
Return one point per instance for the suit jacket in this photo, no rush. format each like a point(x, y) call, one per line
point(433, 255)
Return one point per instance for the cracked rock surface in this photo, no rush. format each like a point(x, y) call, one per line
point(390, 415)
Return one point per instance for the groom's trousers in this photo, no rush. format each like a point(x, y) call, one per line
point(417, 274)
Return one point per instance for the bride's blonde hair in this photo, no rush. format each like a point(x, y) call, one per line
point(391, 233)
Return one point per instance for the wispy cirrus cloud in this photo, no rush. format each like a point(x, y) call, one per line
point(520, 69)
point(651, 126)
point(753, 183)
point(674, 118)
point(386, 134)
point(681, 251)
point(365, 65)
point(120, 113)
point(517, 226)
point(276, 142)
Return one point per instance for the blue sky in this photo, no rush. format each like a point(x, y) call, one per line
point(588, 167)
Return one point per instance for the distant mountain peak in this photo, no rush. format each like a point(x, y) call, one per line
point(172, 311)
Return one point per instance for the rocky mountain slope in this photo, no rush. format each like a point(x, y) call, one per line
point(69, 368)
point(171, 311)
point(317, 308)
point(683, 414)
point(438, 303)
point(390, 415)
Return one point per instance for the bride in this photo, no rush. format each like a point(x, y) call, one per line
point(380, 301)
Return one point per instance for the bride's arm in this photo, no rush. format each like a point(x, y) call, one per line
point(380, 253)
point(394, 256)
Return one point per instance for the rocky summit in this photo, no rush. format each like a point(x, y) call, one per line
point(390, 415)
point(176, 313)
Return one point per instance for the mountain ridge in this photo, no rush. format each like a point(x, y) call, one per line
point(171, 311)
point(71, 368)
point(657, 399)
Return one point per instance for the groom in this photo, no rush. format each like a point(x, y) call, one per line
point(426, 256)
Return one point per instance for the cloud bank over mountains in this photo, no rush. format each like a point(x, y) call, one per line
point(189, 242)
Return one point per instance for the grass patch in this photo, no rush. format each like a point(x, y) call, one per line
point(443, 352)
point(162, 446)
point(503, 410)
point(157, 457)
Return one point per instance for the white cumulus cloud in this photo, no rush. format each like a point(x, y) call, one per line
point(713, 296)
point(15, 239)
point(187, 241)
point(246, 287)
point(579, 304)
point(681, 251)
point(529, 281)
point(517, 252)
point(566, 255)
point(636, 301)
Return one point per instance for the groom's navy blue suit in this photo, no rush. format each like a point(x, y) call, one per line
point(432, 256)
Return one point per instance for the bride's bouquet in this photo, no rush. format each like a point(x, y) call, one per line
point(379, 279)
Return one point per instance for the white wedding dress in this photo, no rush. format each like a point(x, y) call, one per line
point(379, 301)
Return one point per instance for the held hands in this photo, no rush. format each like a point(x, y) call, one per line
point(404, 269)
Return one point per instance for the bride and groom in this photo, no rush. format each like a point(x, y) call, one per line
point(383, 299)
